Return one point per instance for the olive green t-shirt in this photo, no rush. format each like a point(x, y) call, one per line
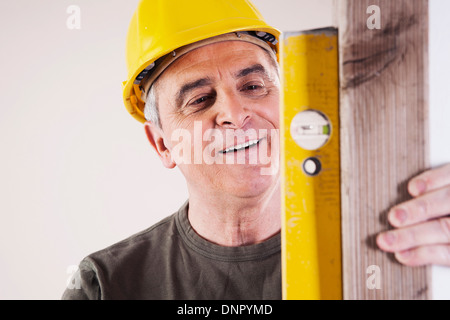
point(171, 261)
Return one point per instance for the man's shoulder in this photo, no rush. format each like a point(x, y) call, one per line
point(120, 269)
point(145, 240)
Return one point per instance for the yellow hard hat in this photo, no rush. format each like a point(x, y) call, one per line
point(159, 27)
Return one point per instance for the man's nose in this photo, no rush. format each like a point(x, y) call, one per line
point(232, 112)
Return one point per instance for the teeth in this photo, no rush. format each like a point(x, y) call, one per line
point(241, 146)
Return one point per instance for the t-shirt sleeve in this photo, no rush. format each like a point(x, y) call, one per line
point(84, 284)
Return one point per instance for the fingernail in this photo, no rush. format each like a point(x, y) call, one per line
point(420, 186)
point(399, 215)
point(389, 238)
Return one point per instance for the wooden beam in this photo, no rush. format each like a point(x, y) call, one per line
point(384, 143)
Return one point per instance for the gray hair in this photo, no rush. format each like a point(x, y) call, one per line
point(151, 111)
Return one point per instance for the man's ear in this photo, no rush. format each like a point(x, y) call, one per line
point(155, 136)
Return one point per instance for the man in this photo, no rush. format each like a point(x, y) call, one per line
point(213, 76)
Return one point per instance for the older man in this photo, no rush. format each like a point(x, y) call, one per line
point(207, 69)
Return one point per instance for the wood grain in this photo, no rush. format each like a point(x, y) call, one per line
point(384, 143)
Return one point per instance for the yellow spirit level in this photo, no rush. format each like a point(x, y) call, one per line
point(310, 166)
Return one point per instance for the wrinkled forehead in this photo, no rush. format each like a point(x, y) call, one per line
point(227, 57)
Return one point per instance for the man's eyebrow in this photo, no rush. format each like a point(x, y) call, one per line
point(190, 86)
point(256, 68)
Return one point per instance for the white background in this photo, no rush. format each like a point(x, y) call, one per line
point(440, 111)
point(76, 171)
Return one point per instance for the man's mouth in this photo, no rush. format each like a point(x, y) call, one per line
point(243, 146)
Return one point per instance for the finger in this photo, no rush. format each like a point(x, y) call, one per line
point(427, 233)
point(430, 180)
point(431, 205)
point(427, 255)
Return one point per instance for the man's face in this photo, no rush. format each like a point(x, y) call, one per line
point(212, 101)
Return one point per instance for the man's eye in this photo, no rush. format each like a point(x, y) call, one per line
point(200, 100)
point(253, 87)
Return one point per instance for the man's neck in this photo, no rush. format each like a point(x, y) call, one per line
point(233, 221)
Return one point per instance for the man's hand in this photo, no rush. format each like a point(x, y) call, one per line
point(422, 234)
